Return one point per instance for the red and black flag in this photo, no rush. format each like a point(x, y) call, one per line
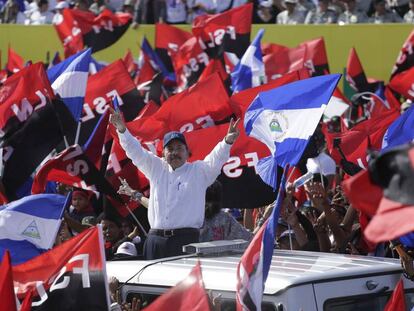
point(26, 148)
point(403, 83)
point(154, 90)
point(73, 167)
point(355, 143)
point(77, 29)
point(316, 59)
point(130, 64)
point(113, 80)
point(189, 62)
point(238, 176)
point(280, 60)
point(168, 39)
point(79, 167)
point(14, 62)
point(216, 66)
point(71, 276)
point(225, 32)
point(405, 59)
point(20, 95)
point(186, 111)
point(355, 74)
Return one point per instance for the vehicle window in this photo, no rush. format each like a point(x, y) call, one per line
point(146, 299)
point(365, 302)
point(230, 305)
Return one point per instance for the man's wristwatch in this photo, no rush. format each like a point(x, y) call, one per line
point(136, 196)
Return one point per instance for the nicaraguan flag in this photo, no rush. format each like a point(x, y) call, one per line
point(285, 118)
point(29, 226)
point(254, 266)
point(401, 131)
point(250, 71)
point(69, 79)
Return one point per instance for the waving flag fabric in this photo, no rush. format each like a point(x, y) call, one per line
point(168, 39)
point(405, 58)
point(156, 61)
point(20, 96)
point(28, 226)
point(77, 28)
point(253, 268)
point(69, 78)
point(250, 71)
point(189, 294)
point(285, 118)
point(8, 300)
point(401, 131)
point(397, 300)
point(15, 62)
point(82, 283)
point(228, 31)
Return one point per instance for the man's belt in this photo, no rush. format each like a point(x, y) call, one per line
point(166, 233)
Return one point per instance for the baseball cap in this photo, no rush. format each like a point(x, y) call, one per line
point(127, 248)
point(61, 5)
point(173, 135)
point(322, 164)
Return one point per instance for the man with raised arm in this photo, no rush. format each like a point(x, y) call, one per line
point(178, 188)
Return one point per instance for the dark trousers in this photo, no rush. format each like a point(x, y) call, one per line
point(159, 246)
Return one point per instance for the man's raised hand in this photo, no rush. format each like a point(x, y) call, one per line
point(124, 188)
point(116, 119)
point(233, 132)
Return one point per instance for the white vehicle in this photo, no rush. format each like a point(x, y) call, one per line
point(298, 280)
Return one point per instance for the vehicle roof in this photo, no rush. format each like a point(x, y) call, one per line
point(288, 268)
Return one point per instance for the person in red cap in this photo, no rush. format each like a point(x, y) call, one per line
point(178, 188)
point(81, 206)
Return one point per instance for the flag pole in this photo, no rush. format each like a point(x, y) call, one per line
point(285, 171)
point(136, 219)
point(77, 132)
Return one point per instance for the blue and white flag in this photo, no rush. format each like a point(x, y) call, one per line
point(285, 118)
point(69, 79)
point(250, 71)
point(28, 226)
point(254, 266)
point(400, 132)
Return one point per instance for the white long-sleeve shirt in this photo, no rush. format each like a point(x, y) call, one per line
point(177, 197)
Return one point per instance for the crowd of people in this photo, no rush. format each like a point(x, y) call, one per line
point(38, 12)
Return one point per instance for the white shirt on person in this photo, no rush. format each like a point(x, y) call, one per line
point(177, 197)
point(297, 17)
point(176, 11)
point(409, 17)
point(41, 18)
point(223, 5)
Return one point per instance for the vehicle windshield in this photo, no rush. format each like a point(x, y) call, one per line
point(365, 302)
